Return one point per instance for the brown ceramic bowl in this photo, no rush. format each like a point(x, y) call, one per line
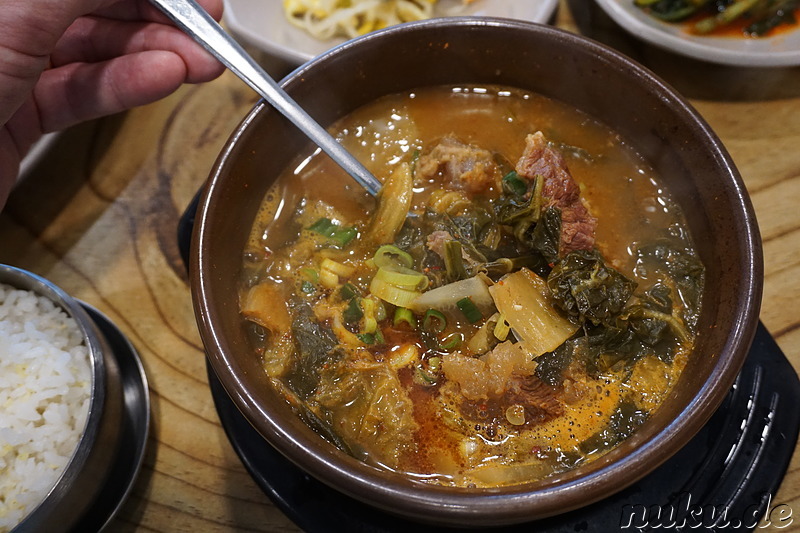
point(657, 121)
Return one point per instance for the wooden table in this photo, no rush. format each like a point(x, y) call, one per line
point(98, 216)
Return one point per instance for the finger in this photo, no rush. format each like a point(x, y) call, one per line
point(92, 39)
point(33, 27)
point(25, 42)
point(77, 92)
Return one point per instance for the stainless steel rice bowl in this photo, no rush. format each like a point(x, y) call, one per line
point(86, 470)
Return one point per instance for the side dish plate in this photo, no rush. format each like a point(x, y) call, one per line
point(263, 24)
point(782, 50)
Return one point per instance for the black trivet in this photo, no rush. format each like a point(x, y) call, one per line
point(724, 479)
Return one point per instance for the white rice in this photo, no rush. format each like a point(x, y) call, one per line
point(45, 381)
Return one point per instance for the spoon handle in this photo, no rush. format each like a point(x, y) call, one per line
point(198, 24)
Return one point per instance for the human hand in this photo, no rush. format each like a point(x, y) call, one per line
point(66, 61)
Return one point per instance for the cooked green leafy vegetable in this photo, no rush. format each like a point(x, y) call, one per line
point(760, 16)
point(682, 269)
point(624, 421)
point(586, 288)
point(317, 343)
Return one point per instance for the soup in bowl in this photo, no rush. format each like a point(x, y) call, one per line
point(552, 293)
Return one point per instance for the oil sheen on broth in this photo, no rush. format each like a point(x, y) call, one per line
point(532, 312)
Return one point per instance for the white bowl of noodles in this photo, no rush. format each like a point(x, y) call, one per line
point(264, 23)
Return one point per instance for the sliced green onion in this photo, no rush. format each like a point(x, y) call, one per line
point(345, 236)
point(513, 184)
point(501, 328)
point(328, 279)
point(434, 363)
point(504, 265)
point(371, 338)
point(307, 287)
point(403, 277)
point(366, 338)
point(310, 274)
point(454, 261)
point(391, 293)
point(341, 236)
point(323, 226)
point(389, 255)
point(469, 309)
point(434, 321)
point(340, 269)
point(380, 309)
point(451, 342)
point(370, 324)
point(423, 377)
point(402, 314)
point(352, 313)
point(349, 291)
point(515, 414)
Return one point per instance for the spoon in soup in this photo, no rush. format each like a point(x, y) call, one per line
point(198, 24)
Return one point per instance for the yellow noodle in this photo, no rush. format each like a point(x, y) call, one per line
point(325, 19)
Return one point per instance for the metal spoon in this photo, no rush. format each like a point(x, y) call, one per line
point(198, 24)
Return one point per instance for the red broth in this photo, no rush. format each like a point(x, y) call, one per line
point(473, 343)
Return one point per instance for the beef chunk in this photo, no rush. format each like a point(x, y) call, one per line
point(540, 400)
point(435, 242)
point(558, 190)
point(577, 229)
point(541, 403)
point(468, 167)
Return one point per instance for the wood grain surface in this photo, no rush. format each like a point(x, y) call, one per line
point(98, 216)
